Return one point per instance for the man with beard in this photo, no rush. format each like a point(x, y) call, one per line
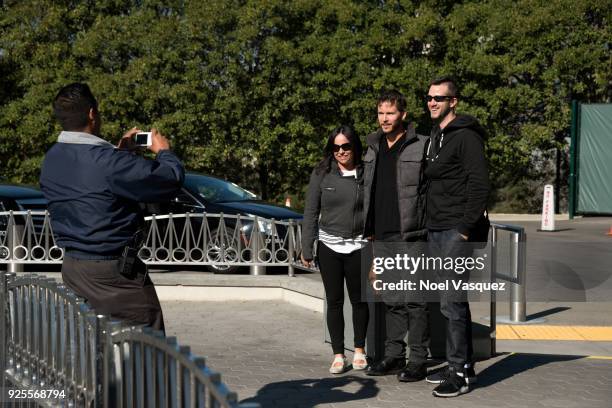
point(458, 189)
point(393, 204)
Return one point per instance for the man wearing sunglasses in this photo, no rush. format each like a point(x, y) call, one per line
point(458, 189)
point(394, 209)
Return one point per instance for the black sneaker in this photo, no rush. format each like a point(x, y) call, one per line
point(439, 376)
point(412, 373)
point(453, 385)
point(388, 365)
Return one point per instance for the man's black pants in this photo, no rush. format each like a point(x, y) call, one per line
point(131, 299)
point(403, 314)
point(453, 304)
point(412, 318)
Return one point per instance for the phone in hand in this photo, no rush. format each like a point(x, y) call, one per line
point(143, 139)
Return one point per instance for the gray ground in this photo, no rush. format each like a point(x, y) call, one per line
point(573, 264)
point(273, 353)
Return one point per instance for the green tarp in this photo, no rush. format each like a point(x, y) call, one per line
point(595, 159)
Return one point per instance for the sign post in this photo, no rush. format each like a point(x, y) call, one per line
point(548, 209)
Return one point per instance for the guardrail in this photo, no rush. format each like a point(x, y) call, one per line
point(55, 351)
point(516, 267)
point(220, 240)
point(515, 276)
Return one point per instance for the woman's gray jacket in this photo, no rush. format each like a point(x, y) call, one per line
point(339, 202)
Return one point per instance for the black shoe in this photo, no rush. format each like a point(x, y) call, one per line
point(412, 373)
point(388, 365)
point(439, 376)
point(453, 385)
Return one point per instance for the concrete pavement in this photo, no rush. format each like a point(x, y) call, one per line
point(273, 352)
point(265, 334)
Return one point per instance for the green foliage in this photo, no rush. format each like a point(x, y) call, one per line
point(249, 89)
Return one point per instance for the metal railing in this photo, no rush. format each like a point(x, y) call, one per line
point(25, 239)
point(175, 239)
point(55, 346)
point(514, 271)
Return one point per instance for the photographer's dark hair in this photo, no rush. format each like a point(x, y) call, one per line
point(394, 98)
point(72, 104)
point(449, 81)
point(328, 154)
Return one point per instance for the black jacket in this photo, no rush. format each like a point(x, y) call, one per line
point(410, 183)
point(458, 177)
point(339, 202)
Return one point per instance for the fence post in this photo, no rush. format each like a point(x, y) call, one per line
point(493, 305)
point(573, 159)
point(3, 329)
point(112, 389)
point(291, 248)
point(256, 246)
point(518, 312)
point(100, 368)
point(15, 233)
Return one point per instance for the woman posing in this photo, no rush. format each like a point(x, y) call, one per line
point(333, 214)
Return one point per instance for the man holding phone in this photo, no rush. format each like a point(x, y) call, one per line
point(94, 190)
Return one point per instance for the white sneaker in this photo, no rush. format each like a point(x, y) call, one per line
point(339, 365)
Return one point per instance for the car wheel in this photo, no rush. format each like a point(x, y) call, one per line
point(214, 253)
point(223, 269)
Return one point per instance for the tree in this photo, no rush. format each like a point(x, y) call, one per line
point(249, 89)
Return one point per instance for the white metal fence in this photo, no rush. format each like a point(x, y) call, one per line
point(55, 351)
point(26, 237)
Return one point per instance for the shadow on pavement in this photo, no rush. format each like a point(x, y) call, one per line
point(313, 391)
point(547, 312)
point(515, 364)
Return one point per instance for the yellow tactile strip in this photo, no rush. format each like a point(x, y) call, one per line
point(541, 332)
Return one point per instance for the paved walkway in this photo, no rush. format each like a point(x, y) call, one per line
point(273, 353)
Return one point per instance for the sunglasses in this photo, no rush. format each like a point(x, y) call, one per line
point(439, 98)
point(346, 147)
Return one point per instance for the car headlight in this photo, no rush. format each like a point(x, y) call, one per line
point(265, 225)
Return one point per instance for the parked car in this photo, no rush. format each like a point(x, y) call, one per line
point(204, 193)
point(200, 193)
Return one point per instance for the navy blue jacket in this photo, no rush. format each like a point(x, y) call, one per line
point(94, 192)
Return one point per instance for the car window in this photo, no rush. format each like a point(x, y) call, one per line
point(215, 190)
point(185, 198)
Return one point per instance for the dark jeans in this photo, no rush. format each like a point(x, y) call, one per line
point(131, 299)
point(454, 305)
point(335, 269)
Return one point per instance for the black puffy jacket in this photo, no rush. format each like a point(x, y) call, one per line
point(410, 183)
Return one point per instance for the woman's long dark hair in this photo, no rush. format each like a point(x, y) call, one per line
point(328, 154)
